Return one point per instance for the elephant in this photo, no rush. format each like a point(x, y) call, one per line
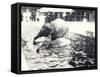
point(54, 30)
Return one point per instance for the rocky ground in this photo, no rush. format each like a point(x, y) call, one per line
point(52, 58)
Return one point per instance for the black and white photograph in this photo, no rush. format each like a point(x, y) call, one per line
point(57, 38)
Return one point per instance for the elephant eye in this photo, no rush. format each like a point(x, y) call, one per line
point(47, 32)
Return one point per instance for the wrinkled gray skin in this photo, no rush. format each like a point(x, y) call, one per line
point(56, 29)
